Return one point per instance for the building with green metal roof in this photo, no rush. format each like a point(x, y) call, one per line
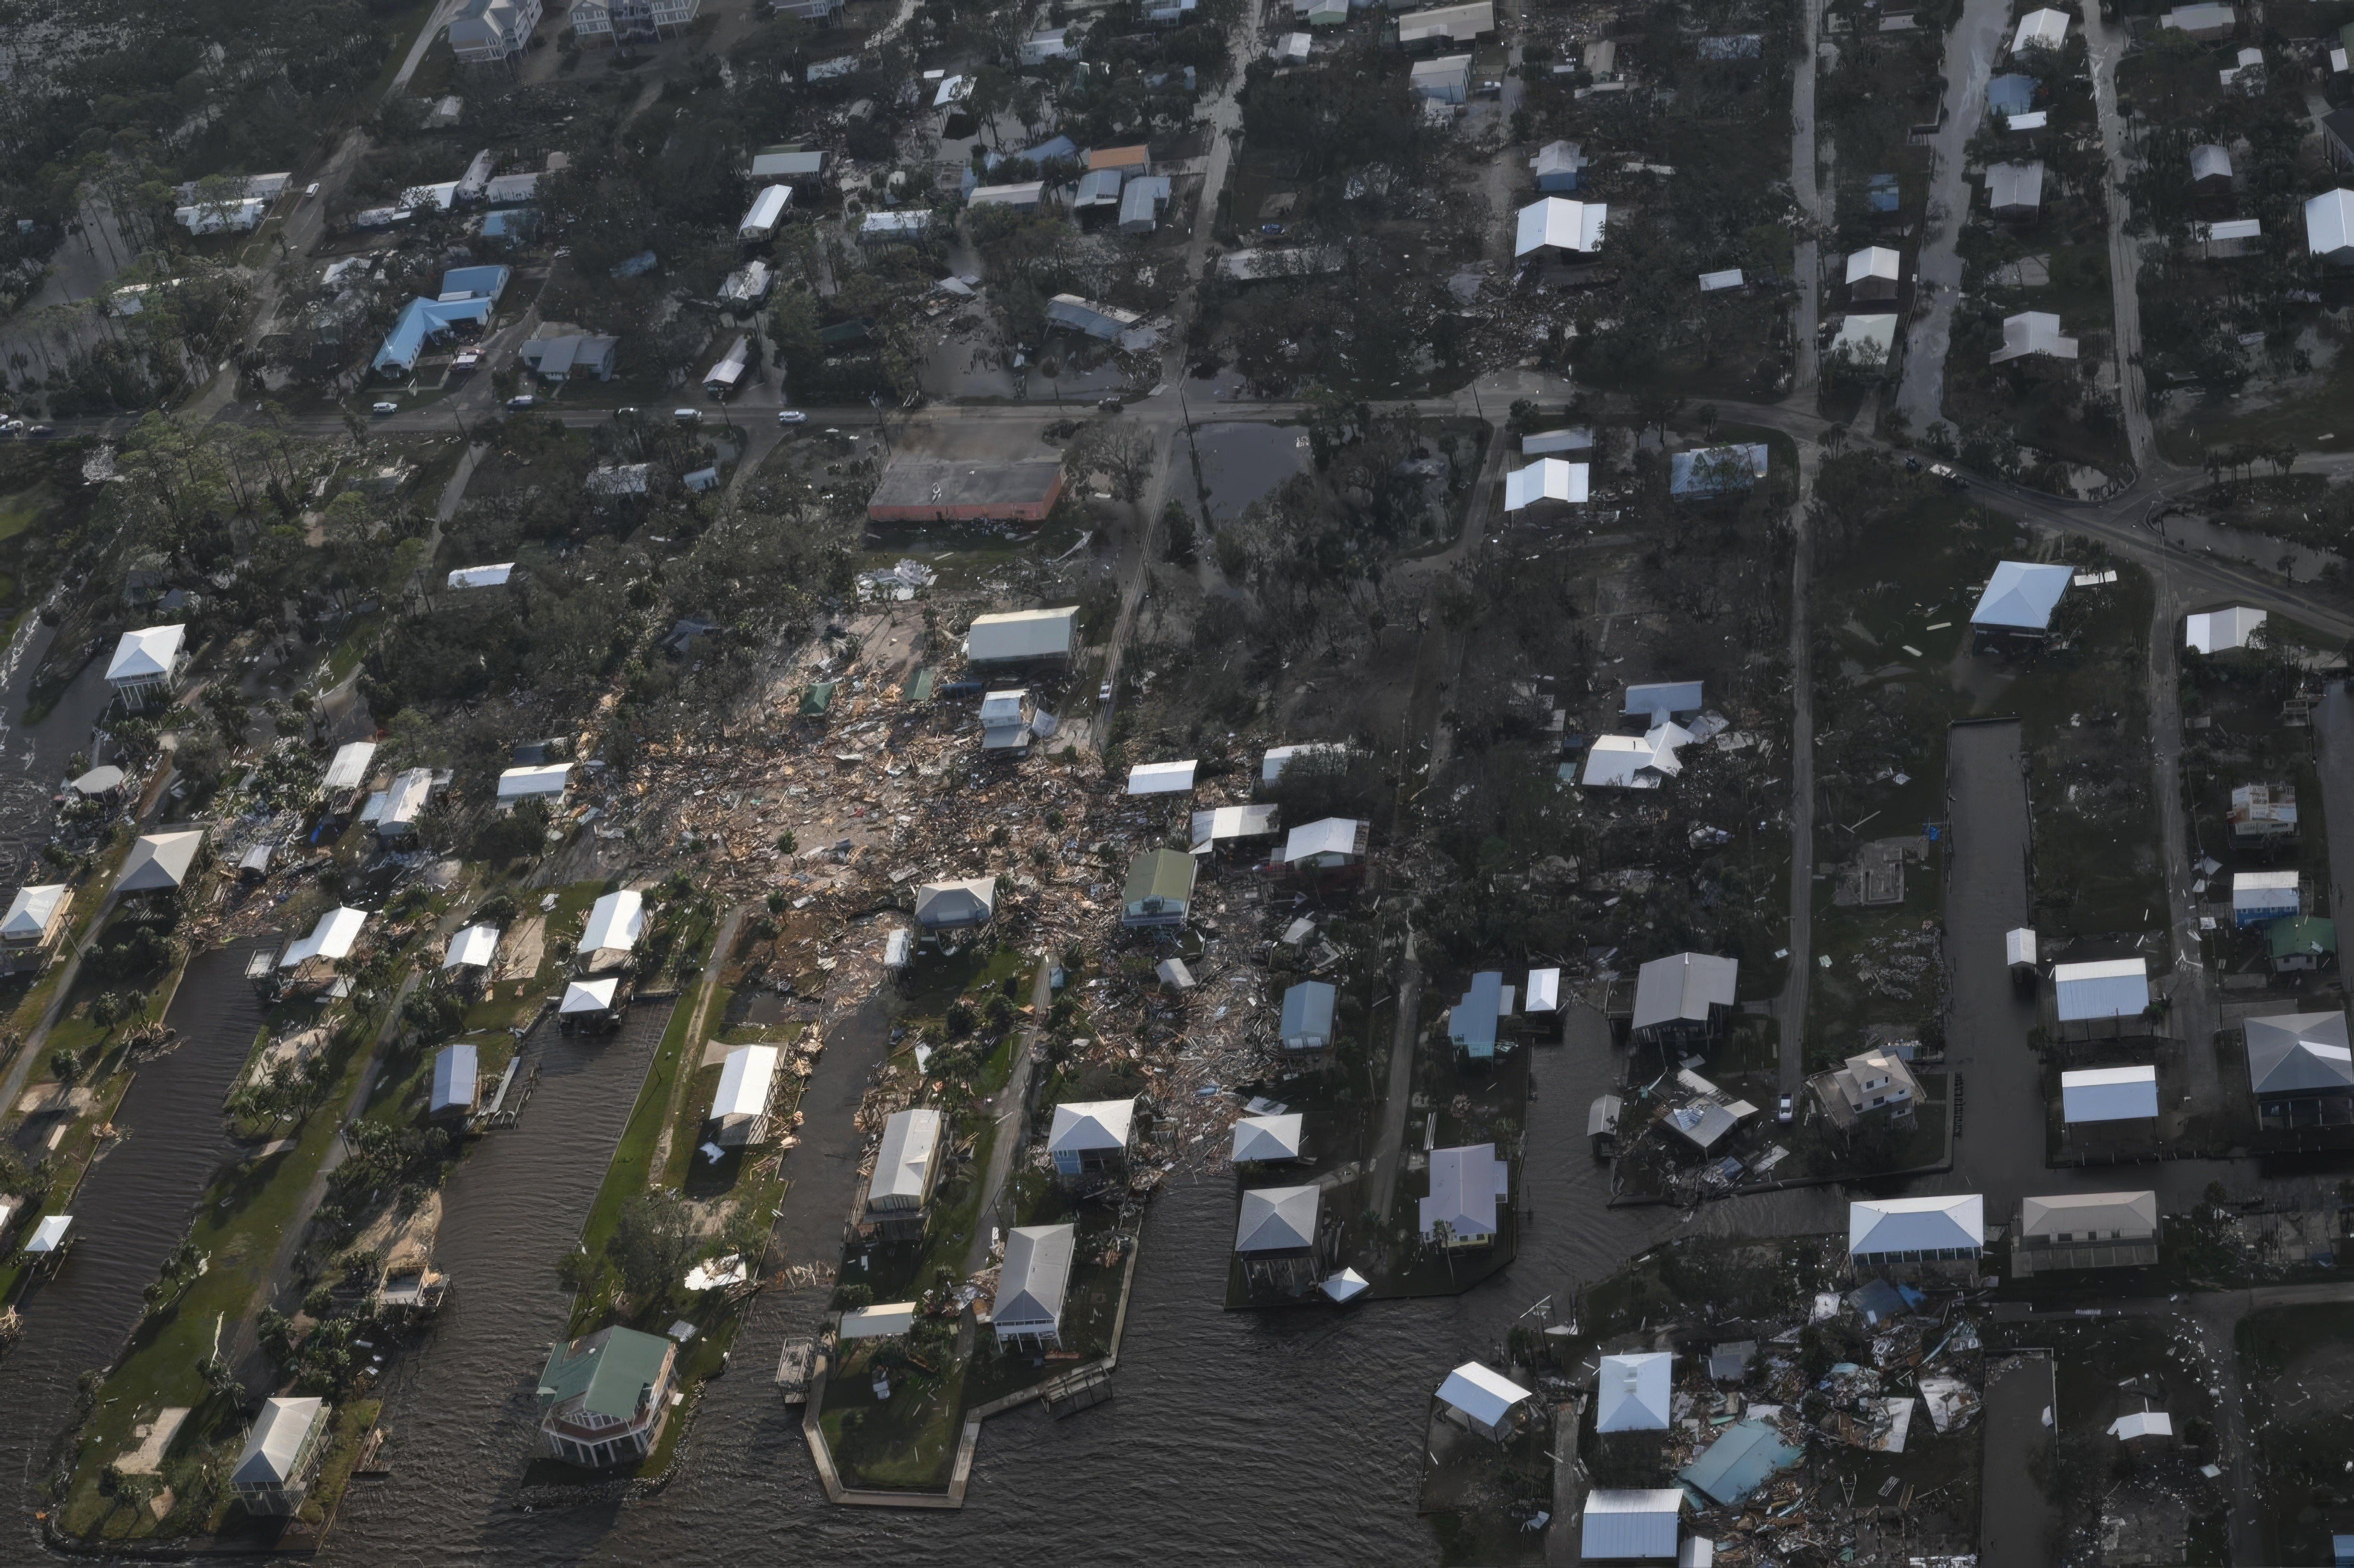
point(602, 1397)
point(2303, 942)
point(1159, 889)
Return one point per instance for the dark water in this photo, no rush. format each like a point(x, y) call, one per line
point(1243, 462)
point(1287, 1437)
point(132, 1210)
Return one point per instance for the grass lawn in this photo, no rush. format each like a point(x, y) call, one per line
point(903, 1443)
point(631, 1171)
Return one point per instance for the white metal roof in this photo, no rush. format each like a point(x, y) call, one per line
point(2021, 593)
point(1877, 1226)
point(1035, 1276)
point(1465, 1185)
point(522, 783)
point(1277, 1219)
point(745, 1078)
point(2018, 944)
point(1620, 762)
point(1543, 990)
point(2142, 1424)
point(2112, 988)
point(1542, 443)
point(2218, 630)
point(615, 921)
point(1874, 262)
point(2033, 332)
point(965, 901)
point(274, 1447)
point(99, 781)
point(1278, 757)
point(1084, 1125)
point(331, 938)
point(1560, 222)
point(1020, 634)
point(482, 577)
point(472, 947)
point(2045, 29)
point(2202, 17)
point(2330, 222)
point(880, 1322)
point(147, 655)
point(2109, 1094)
point(1327, 835)
point(2262, 890)
point(1233, 822)
point(457, 1079)
point(1162, 777)
point(50, 1234)
point(1486, 1396)
point(1003, 708)
point(1268, 1136)
point(2078, 1213)
point(1630, 1524)
point(404, 801)
point(1683, 986)
point(349, 768)
point(910, 1140)
point(159, 861)
point(2211, 162)
point(1547, 479)
point(1634, 1394)
point(767, 209)
point(2016, 184)
point(2292, 1052)
point(590, 996)
point(1711, 283)
point(30, 912)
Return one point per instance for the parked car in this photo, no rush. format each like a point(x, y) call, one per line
point(384, 409)
point(687, 416)
point(1111, 405)
point(522, 401)
point(40, 431)
point(1788, 1110)
point(630, 412)
point(1947, 477)
point(791, 417)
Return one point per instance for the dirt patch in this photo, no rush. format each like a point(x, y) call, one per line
point(519, 955)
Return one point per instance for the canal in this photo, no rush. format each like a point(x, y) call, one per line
point(1248, 1436)
point(133, 1208)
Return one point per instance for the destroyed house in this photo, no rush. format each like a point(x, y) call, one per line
point(924, 490)
point(1743, 1457)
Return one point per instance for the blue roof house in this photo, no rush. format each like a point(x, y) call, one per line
point(1472, 1023)
point(422, 321)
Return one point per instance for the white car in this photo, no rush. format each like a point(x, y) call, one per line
point(385, 408)
point(687, 416)
point(791, 417)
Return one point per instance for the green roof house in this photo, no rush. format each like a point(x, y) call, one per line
point(818, 698)
point(603, 1396)
point(2305, 942)
point(1159, 889)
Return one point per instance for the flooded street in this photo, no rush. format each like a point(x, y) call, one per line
point(132, 1212)
point(1244, 461)
point(2299, 563)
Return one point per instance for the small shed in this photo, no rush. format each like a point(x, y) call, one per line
point(457, 1082)
point(1623, 1525)
point(1486, 1402)
point(2019, 950)
point(1543, 991)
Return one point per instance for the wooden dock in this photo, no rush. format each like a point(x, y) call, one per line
point(1083, 1390)
point(793, 1364)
